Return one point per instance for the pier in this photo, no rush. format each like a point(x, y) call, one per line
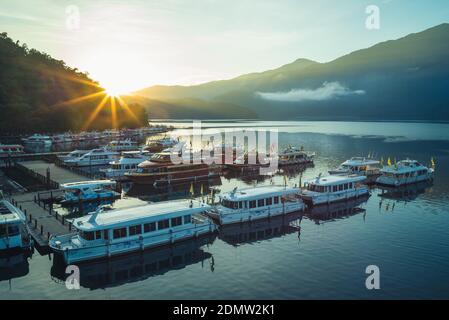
point(42, 220)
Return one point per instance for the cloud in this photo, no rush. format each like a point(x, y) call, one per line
point(328, 91)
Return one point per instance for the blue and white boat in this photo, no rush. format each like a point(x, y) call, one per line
point(104, 234)
point(84, 191)
point(256, 203)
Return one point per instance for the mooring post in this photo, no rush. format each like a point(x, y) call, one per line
point(42, 229)
point(35, 223)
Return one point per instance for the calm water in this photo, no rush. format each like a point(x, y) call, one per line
point(405, 233)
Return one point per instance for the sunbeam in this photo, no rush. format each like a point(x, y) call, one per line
point(95, 113)
point(127, 109)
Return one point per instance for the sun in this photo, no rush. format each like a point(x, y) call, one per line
point(111, 92)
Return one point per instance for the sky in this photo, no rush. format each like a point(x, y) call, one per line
point(131, 44)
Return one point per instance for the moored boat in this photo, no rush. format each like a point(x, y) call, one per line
point(127, 163)
point(295, 156)
point(86, 191)
point(7, 150)
point(14, 234)
point(333, 188)
point(104, 234)
point(122, 145)
point(94, 157)
point(403, 173)
point(38, 140)
point(160, 169)
point(367, 167)
point(256, 203)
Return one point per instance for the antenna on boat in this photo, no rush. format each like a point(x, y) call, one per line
point(94, 215)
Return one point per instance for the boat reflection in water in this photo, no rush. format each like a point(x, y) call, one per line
point(14, 266)
point(259, 230)
point(404, 193)
point(173, 192)
point(135, 267)
point(338, 210)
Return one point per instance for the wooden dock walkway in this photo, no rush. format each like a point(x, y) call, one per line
point(57, 174)
point(43, 221)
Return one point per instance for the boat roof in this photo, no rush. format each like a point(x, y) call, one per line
point(404, 166)
point(135, 215)
point(83, 184)
point(257, 193)
point(9, 213)
point(360, 161)
point(336, 179)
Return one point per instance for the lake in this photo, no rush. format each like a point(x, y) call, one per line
point(321, 255)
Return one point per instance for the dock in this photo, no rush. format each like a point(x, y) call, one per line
point(42, 220)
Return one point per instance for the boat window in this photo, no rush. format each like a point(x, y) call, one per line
point(163, 224)
point(106, 234)
point(119, 233)
point(187, 219)
point(13, 230)
point(269, 201)
point(133, 230)
point(88, 235)
point(98, 234)
point(260, 202)
point(276, 200)
point(176, 221)
point(240, 204)
point(340, 187)
point(252, 204)
point(148, 227)
point(334, 188)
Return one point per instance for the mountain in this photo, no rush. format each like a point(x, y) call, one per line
point(40, 93)
point(404, 79)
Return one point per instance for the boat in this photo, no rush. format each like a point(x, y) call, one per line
point(127, 163)
point(14, 233)
point(403, 173)
point(94, 157)
point(160, 144)
point(7, 150)
point(367, 167)
point(38, 139)
point(256, 203)
point(84, 191)
point(333, 188)
point(160, 169)
point(248, 162)
point(75, 154)
point(104, 234)
point(121, 145)
point(406, 193)
point(295, 156)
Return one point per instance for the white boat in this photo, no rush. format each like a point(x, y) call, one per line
point(94, 157)
point(104, 234)
point(7, 150)
point(360, 166)
point(295, 156)
point(122, 145)
point(14, 234)
point(256, 203)
point(127, 163)
point(75, 154)
point(404, 172)
point(76, 192)
point(38, 139)
point(160, 144)
point(333, 188)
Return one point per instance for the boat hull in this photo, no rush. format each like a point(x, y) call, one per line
point(256, 213)
point(316, 199)
point(89, 253)
point(394, 182)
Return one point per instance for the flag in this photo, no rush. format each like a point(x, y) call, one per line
point(381, 161)
point(432, 161)
point(389, 162)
